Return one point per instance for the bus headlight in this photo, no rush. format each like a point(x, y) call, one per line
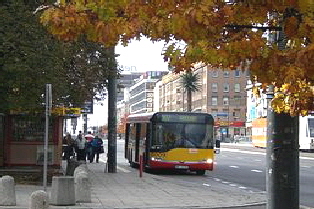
point(156, 159)
point(209, 161)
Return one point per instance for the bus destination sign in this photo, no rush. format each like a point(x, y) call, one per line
point(182, 118)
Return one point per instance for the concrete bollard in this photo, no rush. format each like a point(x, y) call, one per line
point(82, 188)
point(7, 191)
point(39, 200)
point(79, 169)
point(62, 190)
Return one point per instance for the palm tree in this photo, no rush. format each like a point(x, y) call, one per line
point(190, 83)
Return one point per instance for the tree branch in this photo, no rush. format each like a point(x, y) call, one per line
point(263, 28)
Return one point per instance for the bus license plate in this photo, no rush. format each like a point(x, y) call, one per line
point(181, 167)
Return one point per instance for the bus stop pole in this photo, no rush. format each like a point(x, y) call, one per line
point(45, 149)
point(141, 165)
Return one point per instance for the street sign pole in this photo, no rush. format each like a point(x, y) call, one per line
point(48, 113)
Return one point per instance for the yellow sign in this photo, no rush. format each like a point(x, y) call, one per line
point(58, 111)
point(65, 111)
point(72, 111)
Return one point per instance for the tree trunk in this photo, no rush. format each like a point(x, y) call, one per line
point(282, 159)
point(112, 120)
point(189, 100)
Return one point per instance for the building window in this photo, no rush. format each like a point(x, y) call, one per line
point(237, 87)
point(214, 87)
point(226, 74)
point(225, 101)
point(215, 73)
point(236, 113)
point(226, 87)
point(225, 113)
point(237, 73)
point(248, 73)
point(214, 101)
point(237, 100)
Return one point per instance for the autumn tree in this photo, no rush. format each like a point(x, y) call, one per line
point(30, 57)
point(273, 38)
point(226, 34)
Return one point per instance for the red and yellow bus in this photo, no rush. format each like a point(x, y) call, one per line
point(170, 140)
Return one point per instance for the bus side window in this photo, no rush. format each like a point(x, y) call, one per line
point(156, 133)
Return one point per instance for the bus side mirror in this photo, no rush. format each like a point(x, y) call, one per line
point(217, 143)
point(217, 149)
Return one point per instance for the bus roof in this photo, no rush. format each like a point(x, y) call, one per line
point(146, 117)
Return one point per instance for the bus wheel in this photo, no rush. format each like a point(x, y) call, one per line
point(200, 172)
point(147, 169)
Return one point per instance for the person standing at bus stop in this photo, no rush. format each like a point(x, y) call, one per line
point(97, 144)
point(80, 144)
point(88, 146)
point(68, 143)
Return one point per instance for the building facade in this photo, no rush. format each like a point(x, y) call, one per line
point(221, 93)
point(126, 81)
point(142, 92)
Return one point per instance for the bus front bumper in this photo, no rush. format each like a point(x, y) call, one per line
point(172, 165)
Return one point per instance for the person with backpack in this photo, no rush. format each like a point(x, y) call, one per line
point(97, 144)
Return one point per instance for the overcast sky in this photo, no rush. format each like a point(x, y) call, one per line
point(145, 56)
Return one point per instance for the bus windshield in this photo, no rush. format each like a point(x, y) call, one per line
point(182, 135)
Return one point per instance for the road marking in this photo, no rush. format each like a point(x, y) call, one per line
point(307, 158)
point(257, 171)
point(246, 152)
point(256, 153)
point(225, 182)
point(242, 187)
point(206, 185)
point(234, 166)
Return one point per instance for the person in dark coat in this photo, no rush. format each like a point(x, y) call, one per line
point(68, 143)
point(97, 144)
point(88, 146)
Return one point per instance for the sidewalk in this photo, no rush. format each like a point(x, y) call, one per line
point(125, 189)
